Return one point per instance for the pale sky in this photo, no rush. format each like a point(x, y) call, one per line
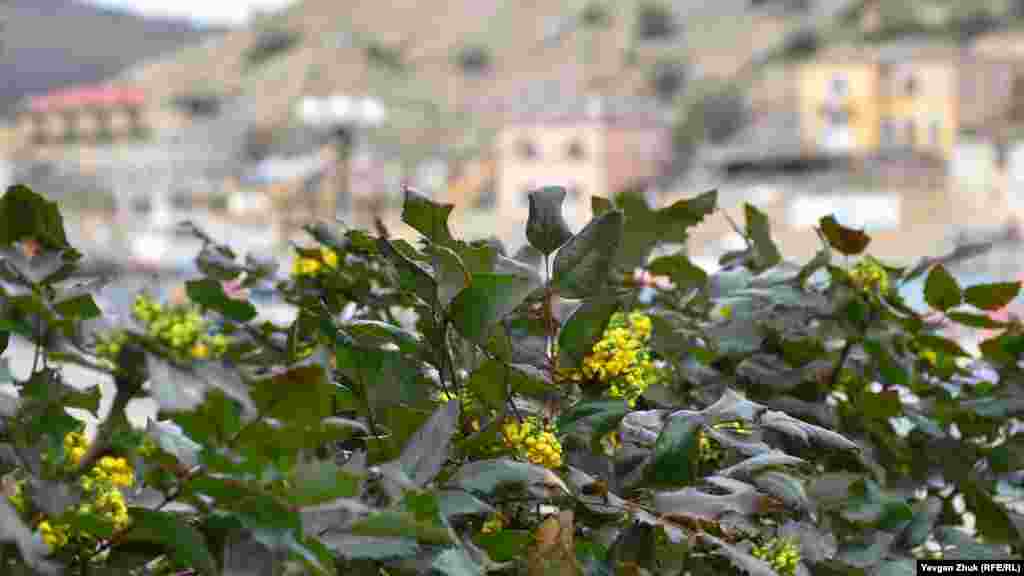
point(219, 12)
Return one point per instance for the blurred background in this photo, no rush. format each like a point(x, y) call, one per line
point(251, 118)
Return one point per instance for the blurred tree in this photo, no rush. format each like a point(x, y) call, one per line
point(655, 21)
point(668, 78)
point(474, 60)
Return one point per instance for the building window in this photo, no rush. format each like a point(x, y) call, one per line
point(909, 85)
point(575, 150)
point(39, 129)
point(910, 132)
point(887, 134)
point(934, 132)
point(527, 150)
point(839, 86)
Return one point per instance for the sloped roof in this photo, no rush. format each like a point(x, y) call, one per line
point(86, 96)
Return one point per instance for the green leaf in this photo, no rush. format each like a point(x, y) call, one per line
point(759, 231)
point(584, 328)
point(600, 416)
point(427, 450)
point(489, 476)
point(992, 296)
point(675, 453)
point(941, 290)
point(646, 228)
point(490, 383)
point(976, 320)
point(427, 217)
point(449, 272)
point(319, 481)
point(891, 372)
point(678, 267)
point(487, 300)
point(411, 275)
point(456, 562)
point(1008, 456)
point(180, 540)
point(301, 395)
point(505, 545)
point(846, 240)
point(991, 518)
point(941, 344)
point(546, 228)
point(210, 294)
point(392, 524)
point(82, 307)
point(582, 267)
point(25, 214)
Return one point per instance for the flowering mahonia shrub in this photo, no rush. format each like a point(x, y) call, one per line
point(622, 360)
point(534, 442)
point(181, 328)
point(313, 263)
point(438, 407)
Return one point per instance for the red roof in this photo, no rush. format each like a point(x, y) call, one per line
point(82, 96)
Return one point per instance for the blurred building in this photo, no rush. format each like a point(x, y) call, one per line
point(861, 99)
point(590, 145)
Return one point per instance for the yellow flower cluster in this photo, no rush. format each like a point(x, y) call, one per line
point(75, 446)
point(622, 358)
point(181, 328)
point(534, 442)
point(709, 451)
point(610, 443)
point(102, 485)
point(311, 266)
point(782, 553)
point(869, 275)
point(495, 523)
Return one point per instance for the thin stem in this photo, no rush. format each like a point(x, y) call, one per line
point(548, 312)
point(843, 355)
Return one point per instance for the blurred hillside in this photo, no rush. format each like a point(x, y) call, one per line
point(47, 44)
point(449, 70)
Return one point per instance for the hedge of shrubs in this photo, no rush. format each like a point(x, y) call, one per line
point(443, 408)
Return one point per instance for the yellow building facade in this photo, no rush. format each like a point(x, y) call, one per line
point(864, 100)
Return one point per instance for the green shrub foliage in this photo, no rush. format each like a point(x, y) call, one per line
point(440, 408)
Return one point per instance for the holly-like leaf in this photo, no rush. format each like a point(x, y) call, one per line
point(759, 232)
point(584, 328)
point(678, 267)
point(320, 481)
point(600, 416)
point(210, 294)
point(490, 383)
point(675, 452)
point(976, 320)
point(846, 240)
point(25, 214)
point(582, 267)
point(449, 272)
point(546, 228)
point(941, 290)
point(891, 371)
point(486, 301)
point(171, 439)
point(427, 450)
point(427, 217)
point(992, 296)
point(82, 307)
point(181, 541)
